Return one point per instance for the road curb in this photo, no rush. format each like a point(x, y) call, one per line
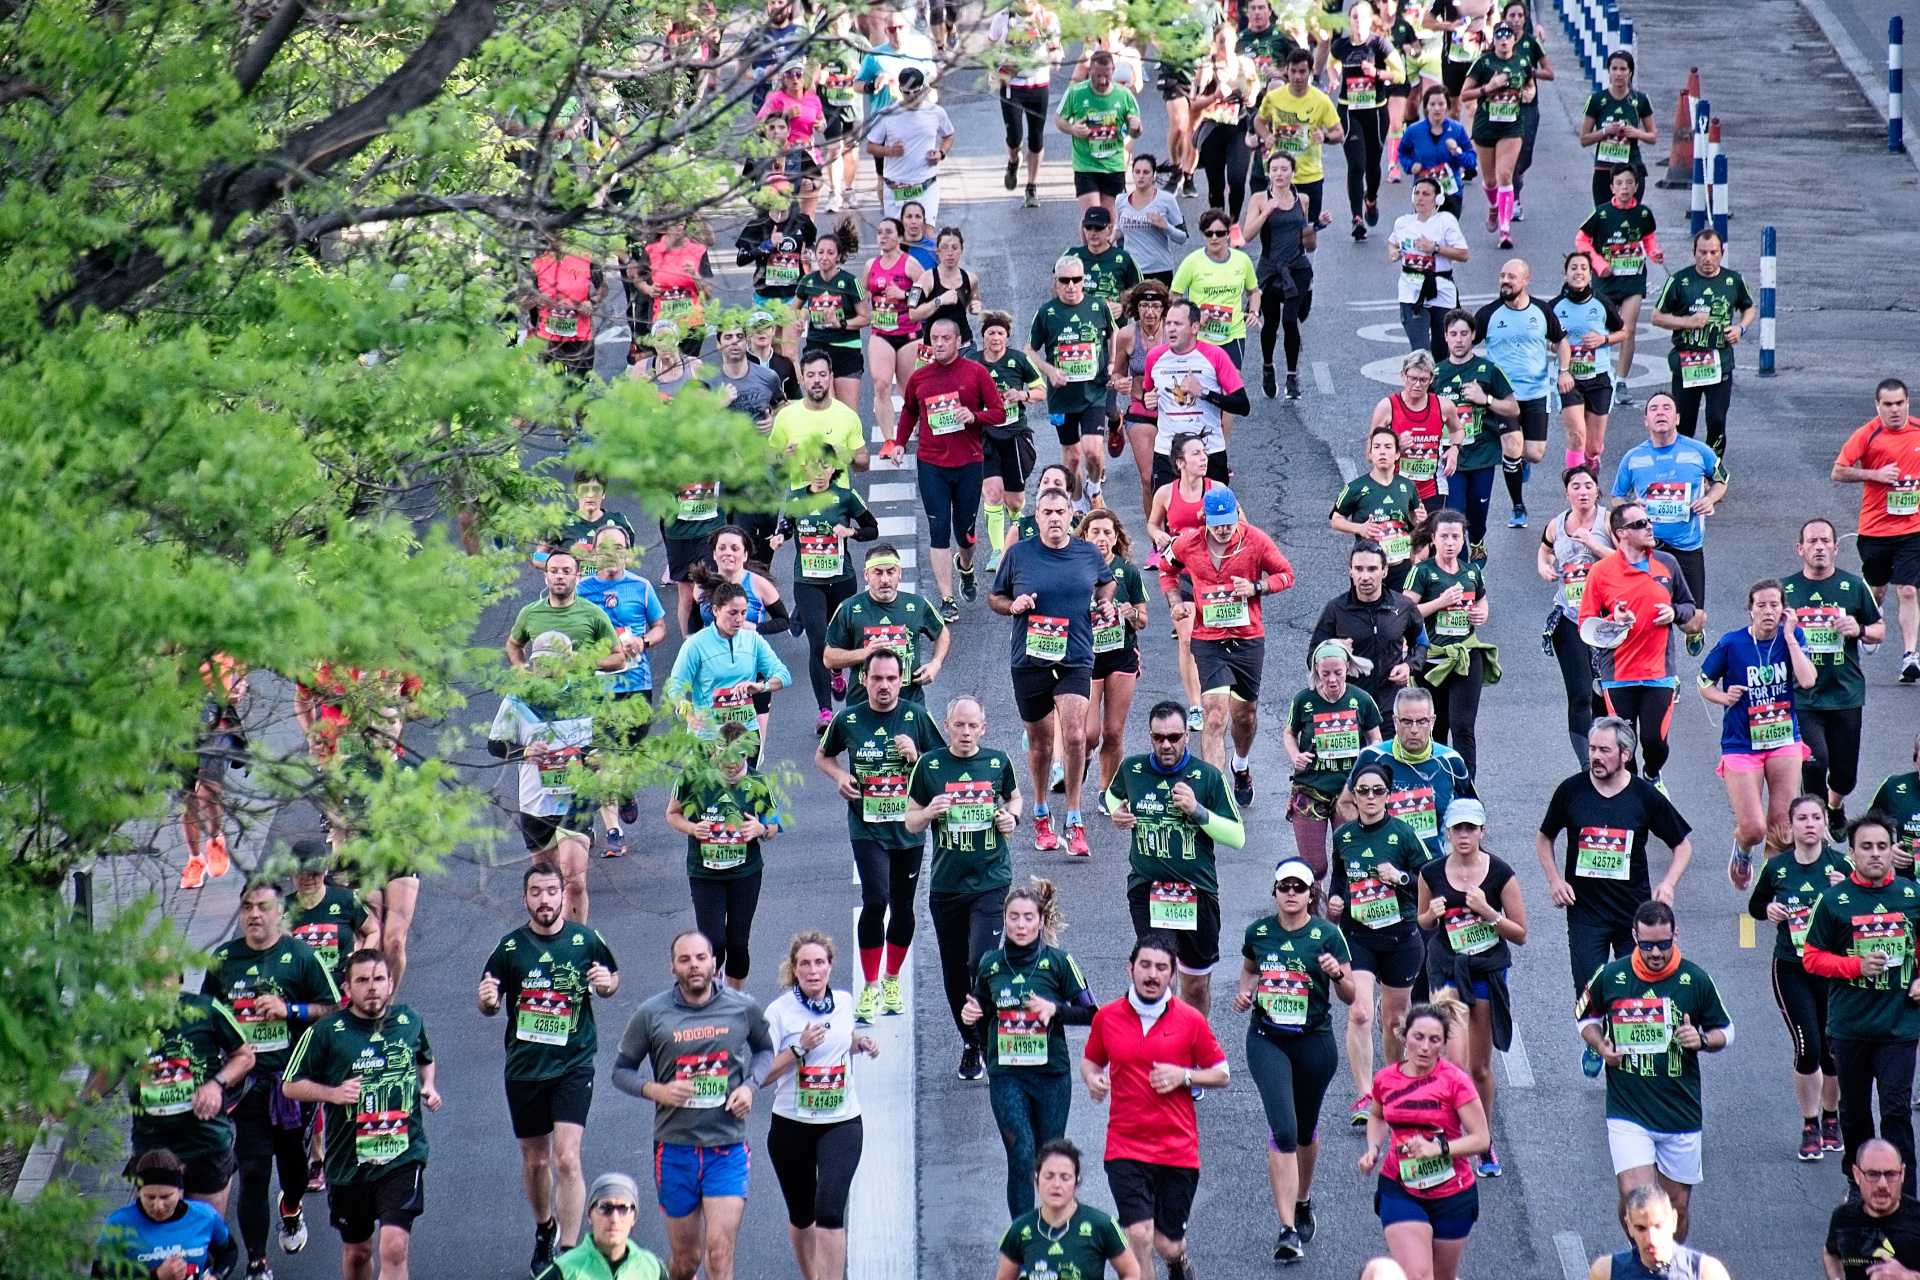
point(1871, 79)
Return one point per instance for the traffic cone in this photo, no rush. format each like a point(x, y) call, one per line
point(1680, 153)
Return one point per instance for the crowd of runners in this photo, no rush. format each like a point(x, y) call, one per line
point(296, 1063)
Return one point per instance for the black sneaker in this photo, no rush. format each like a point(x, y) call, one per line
point(1909, 668)
point(1289, 1247)
point(1303, 1220)
point(1837, 823)
point(545, 1236)
point(629, 812)
point(949, 609)
point(1033, 196)
point(1012, 179)
point(259, 1270)
point(1293, 386)
point(1182, 1268)
point(1243, 787)
point(1373, 213)
point(1267, 383)
point(969, 586)
point(971, 1067)
point(1188, 190)
point(1359, 229)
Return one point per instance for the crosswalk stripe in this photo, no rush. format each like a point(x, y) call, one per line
point(897, 526)
point(882, 1226)
point(892, 493)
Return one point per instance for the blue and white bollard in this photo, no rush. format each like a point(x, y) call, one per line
point(1626, 33)
point(1896, 41)
point(1697, 209)
point(1718, 205)
point(1769, 273)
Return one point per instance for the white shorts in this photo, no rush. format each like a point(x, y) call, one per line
point(930, 198)
point(1675, 1155)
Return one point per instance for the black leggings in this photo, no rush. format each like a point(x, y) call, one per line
point(723, 910)
point(1292, 1074)
point(1225, 157)
point(1279, 312)
point(1529, 130)
point(967, 926)
point(1649, 709)
point(816, 604)
point(888, 878)
point(1834, 739)
point(1456, 710)
point(259, 1147)
point(815, 1164)
point(1802, 998)
point(1028, 105)
point(1717, 398)
point(1366, 141)
point(1576, 673)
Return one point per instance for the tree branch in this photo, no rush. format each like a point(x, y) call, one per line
point(267, 45)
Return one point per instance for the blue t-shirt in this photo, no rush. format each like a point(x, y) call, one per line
point(1521, 342)
point(632, 604)
point(887, 60)
point(196, 1235)
point(1763, 720)
point(1667, 482)
point(1058, 630)
point(1595, 315)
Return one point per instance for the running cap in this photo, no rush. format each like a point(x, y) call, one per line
point(1502, 29)
point(760, 320)
point(609, 1185)
point(1294, 869)
point(793, 64)
point(1466, 813)
point(312, 857)
point(912, 80)
point(551, 644)
point(1096, 218)
point(1221, 506)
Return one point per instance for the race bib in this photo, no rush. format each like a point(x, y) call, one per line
point(379, 1137)
point(783, 269)
point(1603, 853)
point(1583, 364)
point(1282, 995)
point(888, 636)
point(1109, 633)
point(1398, 543)
point(1292, 139)
point(943, 413)
point(1668, 501)
point(1903, 497)
point(1626, 259)
point(1415, 808)
point(1426, 1173)
point(543, 1016)
point(1465, 46)
point(909, 190)
point(1449, 184)
point(1362, 92)
point(823, 308)
point(974, 804)
point(1799, 922)
point(1420, 462)
point(673, 304)
point(724, 848)
point(821, 556)
point(698, 502)
point(1020, 1039)
point(885, 315)
point(1615, 151)
point(1453, 623)
point(1821, 623)
point(1075, 360)
point(1046, 638)
point(1413, 262)
point(1467, 933)
point(733, 705)
point(1503, 106)
point(167, 1087)
point(1641, 1026)
point(323, 936)
point(883, 798)
point(1373, 903)
point(1769, 725)
point(1469, 420)
point(1220, 607)
point(560, 324)
point(1216, 322)
point(708, 1071)
point(1336, 735)
point(1103, 136)
point(820, 1090)
point(1700, 368)
point(1573, 580)
point(264, 1033)
point(1885, 932)
point(1173, 904)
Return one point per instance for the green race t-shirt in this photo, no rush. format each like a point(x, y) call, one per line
point(329, 926)
point(1168, 846)
point(1332, 733)
point(385, 1128)
point(1109, 274)
point(1853, 920)
point(1723, 297)
point(828, 303)
point(1899, 798)
point(1657, 1086)
point(1074, 340)
point(723, 854)
point(1369, 902)
point(1482, 447)
point(867, 736)
point(820, 556)
point(1797, 888)
point(289, 969)
point(1365, 500)
point(861, 621)
point(1219, 289)
point(547, 1000)
point(581, 621)
point(1818, 606)
point(1429, 581)
point(1604, 109)
point(969, 853)
point(1016, 1040)
point(185, 1055)
point(1498, 110)
point(1111, 633)
point(1012, 371)
point(1106, 114)
point(1090, 1240)
point(1290, 991)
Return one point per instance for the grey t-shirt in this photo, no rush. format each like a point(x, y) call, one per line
point(1153, 249)
point(754, 390)
point(718, 1045)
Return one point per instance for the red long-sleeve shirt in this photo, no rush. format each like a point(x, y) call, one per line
point(936, 386)
point(1251, 555)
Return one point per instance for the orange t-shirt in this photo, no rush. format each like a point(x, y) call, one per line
point(1886, 510)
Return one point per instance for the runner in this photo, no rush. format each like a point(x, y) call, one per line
point(1007, 451)
point(1067, 343)
point(1180, 43)
point(1179, 506)
point(1898, 798)
point(1525, 339)
point(1225, 289)
point(372, 1068)
point(1593, 329)
point(1651, 1221)
point(1617, 122)
point(1428, 1117)
point(817, 419)
point(1295, 120)
point(275, 987)
point(547, 972)
point(1437, 146)
point(1143, 308)
point(1428, 427)
point(677, 279)
point(324, 915)
point(817, 1133)
point(613, 1207)
point(1485, 403)
point(895, 286)
point(976, 802)
point(1326, 726)
point(1680, 485)
point(1380, 628)
point(590, 517)
point(1153, 1137)
point(711, 1054)
point(1838, 614)
point(775, 243)
point(953, 290)
point(1571, 544)
point(1495, 85)
point(1111, 270)
point(726, 813)
point(1451, 594)
point(1787, 887)
point(957, 400)
point(220, 745)
point(1231, 567)
point(1606, 814)
point(1100, 117)
point(840, 52)
point(1285, 270)
point(882, 738)
point(1883, 457)
point(1046, 584)
point(640, 622)
point(1061, 1232)
point(1194, 386)
point(789, 116)
point(1035, 992)
point(555, 822)
point(1420, 243)
point(1116, 645)
point(1289, 962)
point(916, 135)
point(721, 669)
point(916, 237)
point(1470, 901)
point(1026, 49)
point(1383, 507)
point(1753, 674)
point(1876, 1224)
point(1368, 63)
point(1373, 897)
point(1466, 27)
point(882, 618)
point(821, 516)
point(1151, 221)
point(1618, 237)
point(836, 310)
point(187, 1236)
point(1517, 14)
point(1709, 309)
point(567, 286)
point(1860, 938)
point(1177, 810)
point(1227, 85)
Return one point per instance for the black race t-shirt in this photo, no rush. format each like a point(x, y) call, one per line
point(1058, 630)
point(1606, 853)
point(1860, 1240)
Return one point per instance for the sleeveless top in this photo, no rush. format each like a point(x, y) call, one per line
point(1280, 250)
point(1685, 1265)
point(1420, 455)
point(755, 610)
point(958, 312)
point(1139, 410)
point(571, 280)
point(1183, 515)
point(1461, 931)
point(1572, 558)
point(879, 278)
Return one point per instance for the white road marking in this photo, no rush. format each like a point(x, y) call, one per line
point(909, 587)
point(909, 558)
point(883, 1220)
point(897, 526)
point(892, 493)
point(1323, 377)
point(901, 464)
point(1348, 468)
point(1647, 372)
point(1573, 1254)
point(1519, 1066)
point(879, 436)
point(1468, 300)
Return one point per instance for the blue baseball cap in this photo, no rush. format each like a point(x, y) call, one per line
point(1221, 506)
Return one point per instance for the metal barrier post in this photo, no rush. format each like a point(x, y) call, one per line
point(1769, 273)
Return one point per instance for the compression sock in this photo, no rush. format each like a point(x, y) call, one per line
point(1510, 467)
point(1575, 457)
point(870, 964)
point(996, 526)
point(896, 959)
point(1493, 195)
point(1504, 207)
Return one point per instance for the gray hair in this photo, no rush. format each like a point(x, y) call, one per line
point(953, 704)
point(1411, 694)
point(1624, 735)
point(1646, 1196)
point(1066, 260)
point(1421, 360)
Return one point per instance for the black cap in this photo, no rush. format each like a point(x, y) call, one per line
point(1096, 217)
point(1503, 30)
point(312, 856)
point(912, 79)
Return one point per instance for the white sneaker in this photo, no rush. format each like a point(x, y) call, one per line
point(293, 1233)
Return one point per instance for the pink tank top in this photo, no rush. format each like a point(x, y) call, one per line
point(879, 278)
point(1183, 515)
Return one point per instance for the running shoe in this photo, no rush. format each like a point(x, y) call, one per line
point(1196, 719)
point(1660, 785)
point(1077, 841)
point(293, 1231)
point(316, 1175)
point(629, 811)
point(1830, 1132)
point(1493, 218)
point(545, 1236)
point(1506, 240)
point(1033, 196)
point(1621, 396)
point(1477, 553)
point(1373, 213)
point(1362, 1108)
point(1243, 787)
point(993, 561)
point(1740, 868)
point(1012, 180)
point(1268, 383)
point(1469, 174)
point(1288, 1246)
point(1057, 779)
point(218, 860)
point(1519, 212)
point(1153, 560)
point(1393, 172)
point(1116, 438)
point(949, 609)
point(1909, 668)
point(971, 1067)
point(1696, 644)
point(1235, 237)
point(868, 1004)
point(259, 1270)
point(1490, 1164)
point(616, 843)
point(1837, 823)
point(1518, 520)
point(969, 584)
point(1303, 1220)
point(194, 874)
point(1182, 1268)
point(892, 999)
point(1591, 1063)
point(1293, 386)
point(1044, 840)
point(1359, 228)
point(826, 718)
point(1188, 190)
point(1810, 1148)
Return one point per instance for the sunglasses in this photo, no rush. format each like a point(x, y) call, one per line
point(1663, 944)
point(1370, 791)
point(1641, 523)
point(1293, 886)
point(1070, 279)
point(1168, 737)
point(1217, 231)
point(610, 1207)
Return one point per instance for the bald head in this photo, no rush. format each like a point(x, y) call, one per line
point(1879, 1148)
point(1514, 275)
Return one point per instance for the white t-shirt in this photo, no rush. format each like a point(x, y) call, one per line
point(826, 1069)
point(920, 132)
point(543, 789)
point(1442, 228)
point(1165, 379)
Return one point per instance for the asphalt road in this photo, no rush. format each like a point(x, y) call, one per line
point(1760, 1210)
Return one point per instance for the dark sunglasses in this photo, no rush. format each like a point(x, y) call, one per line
point(1370, 791)
point(1292, 886)
point(1663, 944)
point(609, 1207)
point(1168, 737)
point(1217, 231)
point(1641, 523)
point(1070, 279)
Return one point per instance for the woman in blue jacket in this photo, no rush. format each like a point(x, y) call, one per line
point(1438, 144)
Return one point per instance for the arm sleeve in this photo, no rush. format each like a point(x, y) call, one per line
point(867, 527)
point(1225, 826)
point(1826, 964)
point(778, 611)
point(1234, 402)
point(1761, 896)
point(222, 1253)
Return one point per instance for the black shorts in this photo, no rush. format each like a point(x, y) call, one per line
point(1175, 84)
point(1090, 421)
point(898, 340)
point(1217, 470)
point(1195, 950)
point(1488, 135)
point(1160, 1193)
point(206, 1175)
point(1107, 184)
point(1393, 956)
point(1890, 560)
point(394, 1199)
point(1035, 688)
point(848, 362)
point(1453, 75)
point(1594, 395)
point(1616, 289)
point(1233, 665)
point(1533, 420)
point(1121, 662)
point(837, 122)
point(538, 1105)
point(638, 732)
point(1011, 459)
point(542, 834)
point(682, 555)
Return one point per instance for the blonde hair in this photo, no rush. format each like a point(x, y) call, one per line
point(810, 938)
point(1040, 893)
point(1444, 1007)
point(1122, 544)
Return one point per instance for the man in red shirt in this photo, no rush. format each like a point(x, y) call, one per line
point(956, 400)
point(1884, 458)
point(1153, 1054)
point(1231, 565)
